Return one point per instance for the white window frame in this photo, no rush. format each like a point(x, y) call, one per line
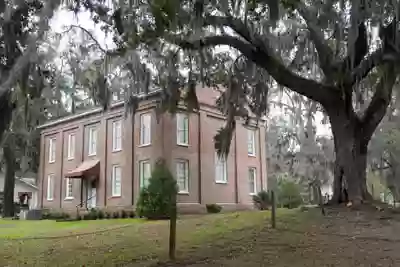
point(221, 168)
point(69, 188)
point(71, 146)
point(182, 174)
point(252, 171)
point(92, 141)
point(251, 142)
point(145, 130)
point(117, 136)
point(115, 191)
point(50, 187)
point(52, 149)
point(142, 179)
point(182, 129)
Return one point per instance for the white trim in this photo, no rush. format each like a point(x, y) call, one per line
point(114, 192)
point(251, 141)
point(221, 163)
point(50, 187)
point(52, 149)
point(183, 127)
point(71, 146)
point(92, 135)
point(116, 135)
point(185, 164)
point(254, 170)
point(67, 181)
point(145, 130)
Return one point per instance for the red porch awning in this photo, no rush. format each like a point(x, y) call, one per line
point(87, 168)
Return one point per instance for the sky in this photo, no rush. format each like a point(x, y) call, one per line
point(65, 18)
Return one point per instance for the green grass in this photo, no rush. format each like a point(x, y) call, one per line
point(139, 244)
point(13, 229)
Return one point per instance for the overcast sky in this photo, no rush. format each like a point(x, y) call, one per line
point(66, 18)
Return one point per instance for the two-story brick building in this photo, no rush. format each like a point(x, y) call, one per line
point(102, 159)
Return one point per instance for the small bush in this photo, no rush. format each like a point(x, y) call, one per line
point(289, 195)
point(213, 208)
point(124, 214)
point(94, 214)
point(262, 200)
point(157, 199)
point(131, 214)
point(107, 215)
point(87, 216)
point(116, 214)
point(100, 214)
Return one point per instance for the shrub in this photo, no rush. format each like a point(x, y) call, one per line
point(124, 214)
point(262, 200)
point(289, 194)
point(157, 199)
point(100, 214)
point(213, 208)
point(87, 216)
point(93, 214)
point(131, 214)
point(108, 215)
point(116, 214)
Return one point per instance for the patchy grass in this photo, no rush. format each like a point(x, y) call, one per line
point(15, 229)
point(139, 244)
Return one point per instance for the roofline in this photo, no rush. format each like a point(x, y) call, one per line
point(86, 113)
point(25, 182)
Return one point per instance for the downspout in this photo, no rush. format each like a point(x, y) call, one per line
point(261, 159)
point(82, 128)
point(199, 130)
point(105, 149)
point(61, 167)
point(133, 158)
point(236, 170)
point(43, 155)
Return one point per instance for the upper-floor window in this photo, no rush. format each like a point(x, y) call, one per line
point(50, 187)
point(117, 135)
point(69, 188)
point(221, 175)
point(92, 141)
point(71, 146)
point(145, 129)
point(52, 150)
point(252, 181)
point(251, 142)
point(182, 129)
point(144, 173)
point(182, 175)
point(116, 181)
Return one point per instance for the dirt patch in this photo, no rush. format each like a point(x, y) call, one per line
point(342, 238)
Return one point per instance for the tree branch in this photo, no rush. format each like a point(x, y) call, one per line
point(373, 60)
point(380, 101)
point(325, 53)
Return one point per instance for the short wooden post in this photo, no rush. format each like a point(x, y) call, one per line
point(273, 210)
point(172, 230)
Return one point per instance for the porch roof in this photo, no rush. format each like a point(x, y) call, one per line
point(86, 169)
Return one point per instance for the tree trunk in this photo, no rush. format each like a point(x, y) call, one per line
point(351, 145)
point(9, 182)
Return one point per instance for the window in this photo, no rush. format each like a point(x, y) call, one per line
point(144, 173)
point(220, 169)
point(145, 129)
point(251, 142)
point(182, 175)
point(117, 135)
point(50, 187)
point(92, 141)
point(116, 181)
point(52, 150)
point(68, 188)
point(71, 146)
point(252, 181)
point(182, 129)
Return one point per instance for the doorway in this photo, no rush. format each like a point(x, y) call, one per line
point(91, 194)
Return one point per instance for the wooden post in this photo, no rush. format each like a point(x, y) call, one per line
point(273, 210)
point(172, 230)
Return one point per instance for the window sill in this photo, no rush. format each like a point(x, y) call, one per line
point(69, 159)
point(221, 182)
point(50, 199)
point(182, 144)
point(116, 150)
point(69, 198)
point(92, 155)
point(116, 196)
point(251, 155)
point(252, 194)
point(144, 145)
point(53, 161)
point(183, 193)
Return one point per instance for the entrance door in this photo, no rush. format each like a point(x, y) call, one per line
point(92, 192)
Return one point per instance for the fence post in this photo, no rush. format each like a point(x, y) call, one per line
point(172, 230)
point(273, 210)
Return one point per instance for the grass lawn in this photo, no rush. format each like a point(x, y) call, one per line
point(139, 244)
